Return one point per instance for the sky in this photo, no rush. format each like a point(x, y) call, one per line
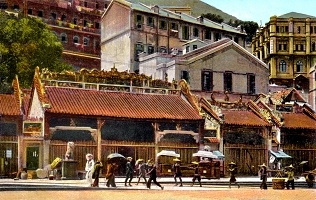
point(260, 11)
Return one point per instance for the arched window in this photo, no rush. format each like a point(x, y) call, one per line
point(63, 18)
point(85, 41)
point(63, 38)
point(76, 40)
point(282, 66)
point(299, 66)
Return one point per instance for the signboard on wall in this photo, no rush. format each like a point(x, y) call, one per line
point(32, 129)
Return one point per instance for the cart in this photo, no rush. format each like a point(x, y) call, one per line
point(208, 167)
point(165, 163)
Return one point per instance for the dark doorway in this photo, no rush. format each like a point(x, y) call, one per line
point(32, 158)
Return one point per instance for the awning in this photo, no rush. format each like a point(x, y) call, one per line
point(205, 154)
point(219, 154)
point(280, 154)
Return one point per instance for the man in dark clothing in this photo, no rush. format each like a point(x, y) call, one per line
point(263, 176)
point(197, 174)
point(152, 177)
point(129, 171)
point(96, 172)
point(233, 171)
point(177, 171)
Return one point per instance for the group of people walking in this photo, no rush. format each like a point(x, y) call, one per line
point(149, 169)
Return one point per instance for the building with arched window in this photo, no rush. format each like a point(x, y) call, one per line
point(287, 44)
point(75, 23)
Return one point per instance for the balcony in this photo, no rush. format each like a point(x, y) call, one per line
point(64, 24)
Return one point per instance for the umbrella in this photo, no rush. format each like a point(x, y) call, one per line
point(115, 156)
point(205, 154)
point(168, 153)
point(303, 162)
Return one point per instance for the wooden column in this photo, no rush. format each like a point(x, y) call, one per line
point(99, 138)
point(155, 125)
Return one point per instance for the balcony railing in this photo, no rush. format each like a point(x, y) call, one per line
point(64, 24)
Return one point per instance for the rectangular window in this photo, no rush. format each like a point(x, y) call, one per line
point(196, 32)
point(139, 48)
point(139, 19)
point(207, 81)
point(187, 48)
point(236, 39)
point(209, 133)
point(218, 36)
point(29, 12)
point(208, 35)
point(174, 26)
point(150, 49)
point(298, 29)
point(228, 82)
point(251, 84)
point(185, 32)
point(185, 75)
point(194, 47)
point(40, 13)
point(162, 25)
point(150, 21)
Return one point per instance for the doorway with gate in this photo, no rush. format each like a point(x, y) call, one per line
point(32, 157)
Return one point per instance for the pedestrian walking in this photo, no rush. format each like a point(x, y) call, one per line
point(129, 171)
point(141, 167)
point(263, 176)
point(110, 174)
point(96, 172)
point(290, 177)
point(177, 171)
point(153, 177)
point(89, 168)
point(232, 169)
point(196, 175)
point(150, 163)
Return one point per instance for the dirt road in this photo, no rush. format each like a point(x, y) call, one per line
point(168, 194)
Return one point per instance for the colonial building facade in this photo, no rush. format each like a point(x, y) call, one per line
point(220, 66)
point(75, 22)
point(130, 29)
point(287, 44)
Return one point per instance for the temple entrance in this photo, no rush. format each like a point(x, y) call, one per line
point(32, 158)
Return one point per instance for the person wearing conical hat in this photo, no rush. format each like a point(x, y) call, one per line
point(177, 171)
point(232, 172)
point(129, 171)
point(290, 177)
point(197, 174)
point(141, 167)
point(263, 176)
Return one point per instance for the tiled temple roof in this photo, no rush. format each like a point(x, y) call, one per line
point(240, 117)
point(298, 121)
point(74, 101)
point(9, 105)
